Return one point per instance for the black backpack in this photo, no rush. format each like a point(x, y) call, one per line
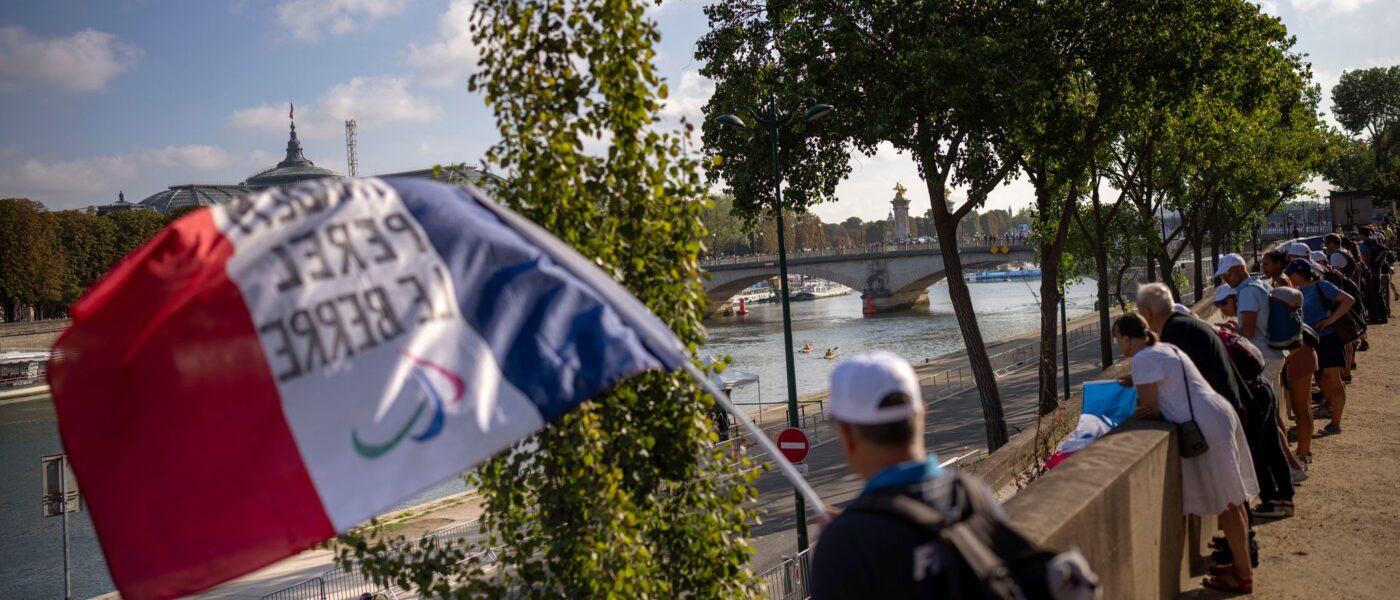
point(1345, 283)
point(1007, 566)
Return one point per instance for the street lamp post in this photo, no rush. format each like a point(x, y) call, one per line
point(772, 124)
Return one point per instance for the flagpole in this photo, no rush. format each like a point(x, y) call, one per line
point(814, 502)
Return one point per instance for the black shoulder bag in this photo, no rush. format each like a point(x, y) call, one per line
point(1191, 441)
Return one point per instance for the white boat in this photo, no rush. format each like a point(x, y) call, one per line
point(23, 373)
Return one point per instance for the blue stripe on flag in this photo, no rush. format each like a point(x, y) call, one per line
point(554, 337)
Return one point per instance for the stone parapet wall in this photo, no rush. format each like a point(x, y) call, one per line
point(1119, 502)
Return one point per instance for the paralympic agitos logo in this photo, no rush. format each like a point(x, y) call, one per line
point(430, 398)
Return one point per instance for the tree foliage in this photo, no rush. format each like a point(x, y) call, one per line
point(31, 265)
point(1366, 101)
point(48, 259)
point(620, 497)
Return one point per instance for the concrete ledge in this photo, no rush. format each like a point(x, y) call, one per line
point(1119, 502)
point(1001, 468)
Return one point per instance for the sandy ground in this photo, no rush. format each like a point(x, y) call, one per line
point(1344, 541)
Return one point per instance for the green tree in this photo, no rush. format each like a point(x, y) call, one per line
point(928, 77)
point(620, 497)
point(132, 229)
point(1366, 101)
point(724, 232)
point(88, 244)
point(31, 265)
point(876, 232)
point(1350, 163)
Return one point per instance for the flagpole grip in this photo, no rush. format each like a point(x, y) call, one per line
point(814, 502)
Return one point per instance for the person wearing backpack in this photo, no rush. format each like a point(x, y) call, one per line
point(917, 531)
point(1271, 467)
point(1252, 306)
point(1356, 317)
point(1373, 255)
point(1300, 365)
point(1323, 305)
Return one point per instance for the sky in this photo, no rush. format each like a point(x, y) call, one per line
point(100, 97)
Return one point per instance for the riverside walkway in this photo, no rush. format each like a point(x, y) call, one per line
point(1344, 540)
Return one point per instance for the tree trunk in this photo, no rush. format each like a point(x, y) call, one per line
point(1169, 273)
point(1196, 247)
point(1214, 247)
point(982, 373)
point(1050, 249)
point(1101, 274)
point(1151, 268)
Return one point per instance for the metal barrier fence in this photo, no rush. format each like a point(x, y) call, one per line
point(937, 387)
point(788, 580)
point(347, 584)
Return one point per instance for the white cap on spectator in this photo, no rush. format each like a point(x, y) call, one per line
point(1223, 292)
point(1318, 257)
point(860, 382)
point(1299, 249)
point(1228, 262)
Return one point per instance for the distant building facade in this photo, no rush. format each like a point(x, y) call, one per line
point(1358, 207)
point(121, 205)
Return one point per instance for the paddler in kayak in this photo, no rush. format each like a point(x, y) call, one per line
point(806, 348)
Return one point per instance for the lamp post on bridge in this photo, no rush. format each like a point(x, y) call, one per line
point(772, 123)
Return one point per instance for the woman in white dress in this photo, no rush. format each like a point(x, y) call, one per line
point(1219, 482)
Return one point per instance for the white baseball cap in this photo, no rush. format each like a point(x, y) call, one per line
point(1223, 292)
point(1299, 249)
point(1318, 257)
point(860, 382)
point(1228, 262)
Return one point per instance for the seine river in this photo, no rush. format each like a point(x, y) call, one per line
point(31, 555)
point(755, 341)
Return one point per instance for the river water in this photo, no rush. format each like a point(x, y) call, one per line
point(31, 555)
point(755, 341)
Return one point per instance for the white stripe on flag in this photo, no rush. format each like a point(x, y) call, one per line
point(792, 445)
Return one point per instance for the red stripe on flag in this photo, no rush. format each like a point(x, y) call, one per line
point(173, 423)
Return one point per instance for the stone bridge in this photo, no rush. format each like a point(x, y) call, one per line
point(892, 277)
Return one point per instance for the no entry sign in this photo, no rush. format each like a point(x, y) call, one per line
point(793, 444)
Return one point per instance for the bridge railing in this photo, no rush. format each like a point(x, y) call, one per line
point(860, 250)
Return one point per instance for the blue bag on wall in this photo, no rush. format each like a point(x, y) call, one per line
point(1110, 400)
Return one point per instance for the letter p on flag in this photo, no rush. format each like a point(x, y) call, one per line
point(220, 422)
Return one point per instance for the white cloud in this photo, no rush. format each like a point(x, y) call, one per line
point(308, 20)
point(1331, 7)
point(372, 101)
point(452, 55)
point(83, 62)
point(688, 99)
point(41, 178)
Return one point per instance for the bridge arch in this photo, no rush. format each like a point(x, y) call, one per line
point(892, 280)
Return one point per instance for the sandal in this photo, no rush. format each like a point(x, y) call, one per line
point(1328, 430)
point(1217, 570)
point(1229, 582)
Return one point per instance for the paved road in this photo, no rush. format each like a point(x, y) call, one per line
point(953, 423)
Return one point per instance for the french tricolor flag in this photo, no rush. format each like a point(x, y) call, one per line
point(269, 372)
